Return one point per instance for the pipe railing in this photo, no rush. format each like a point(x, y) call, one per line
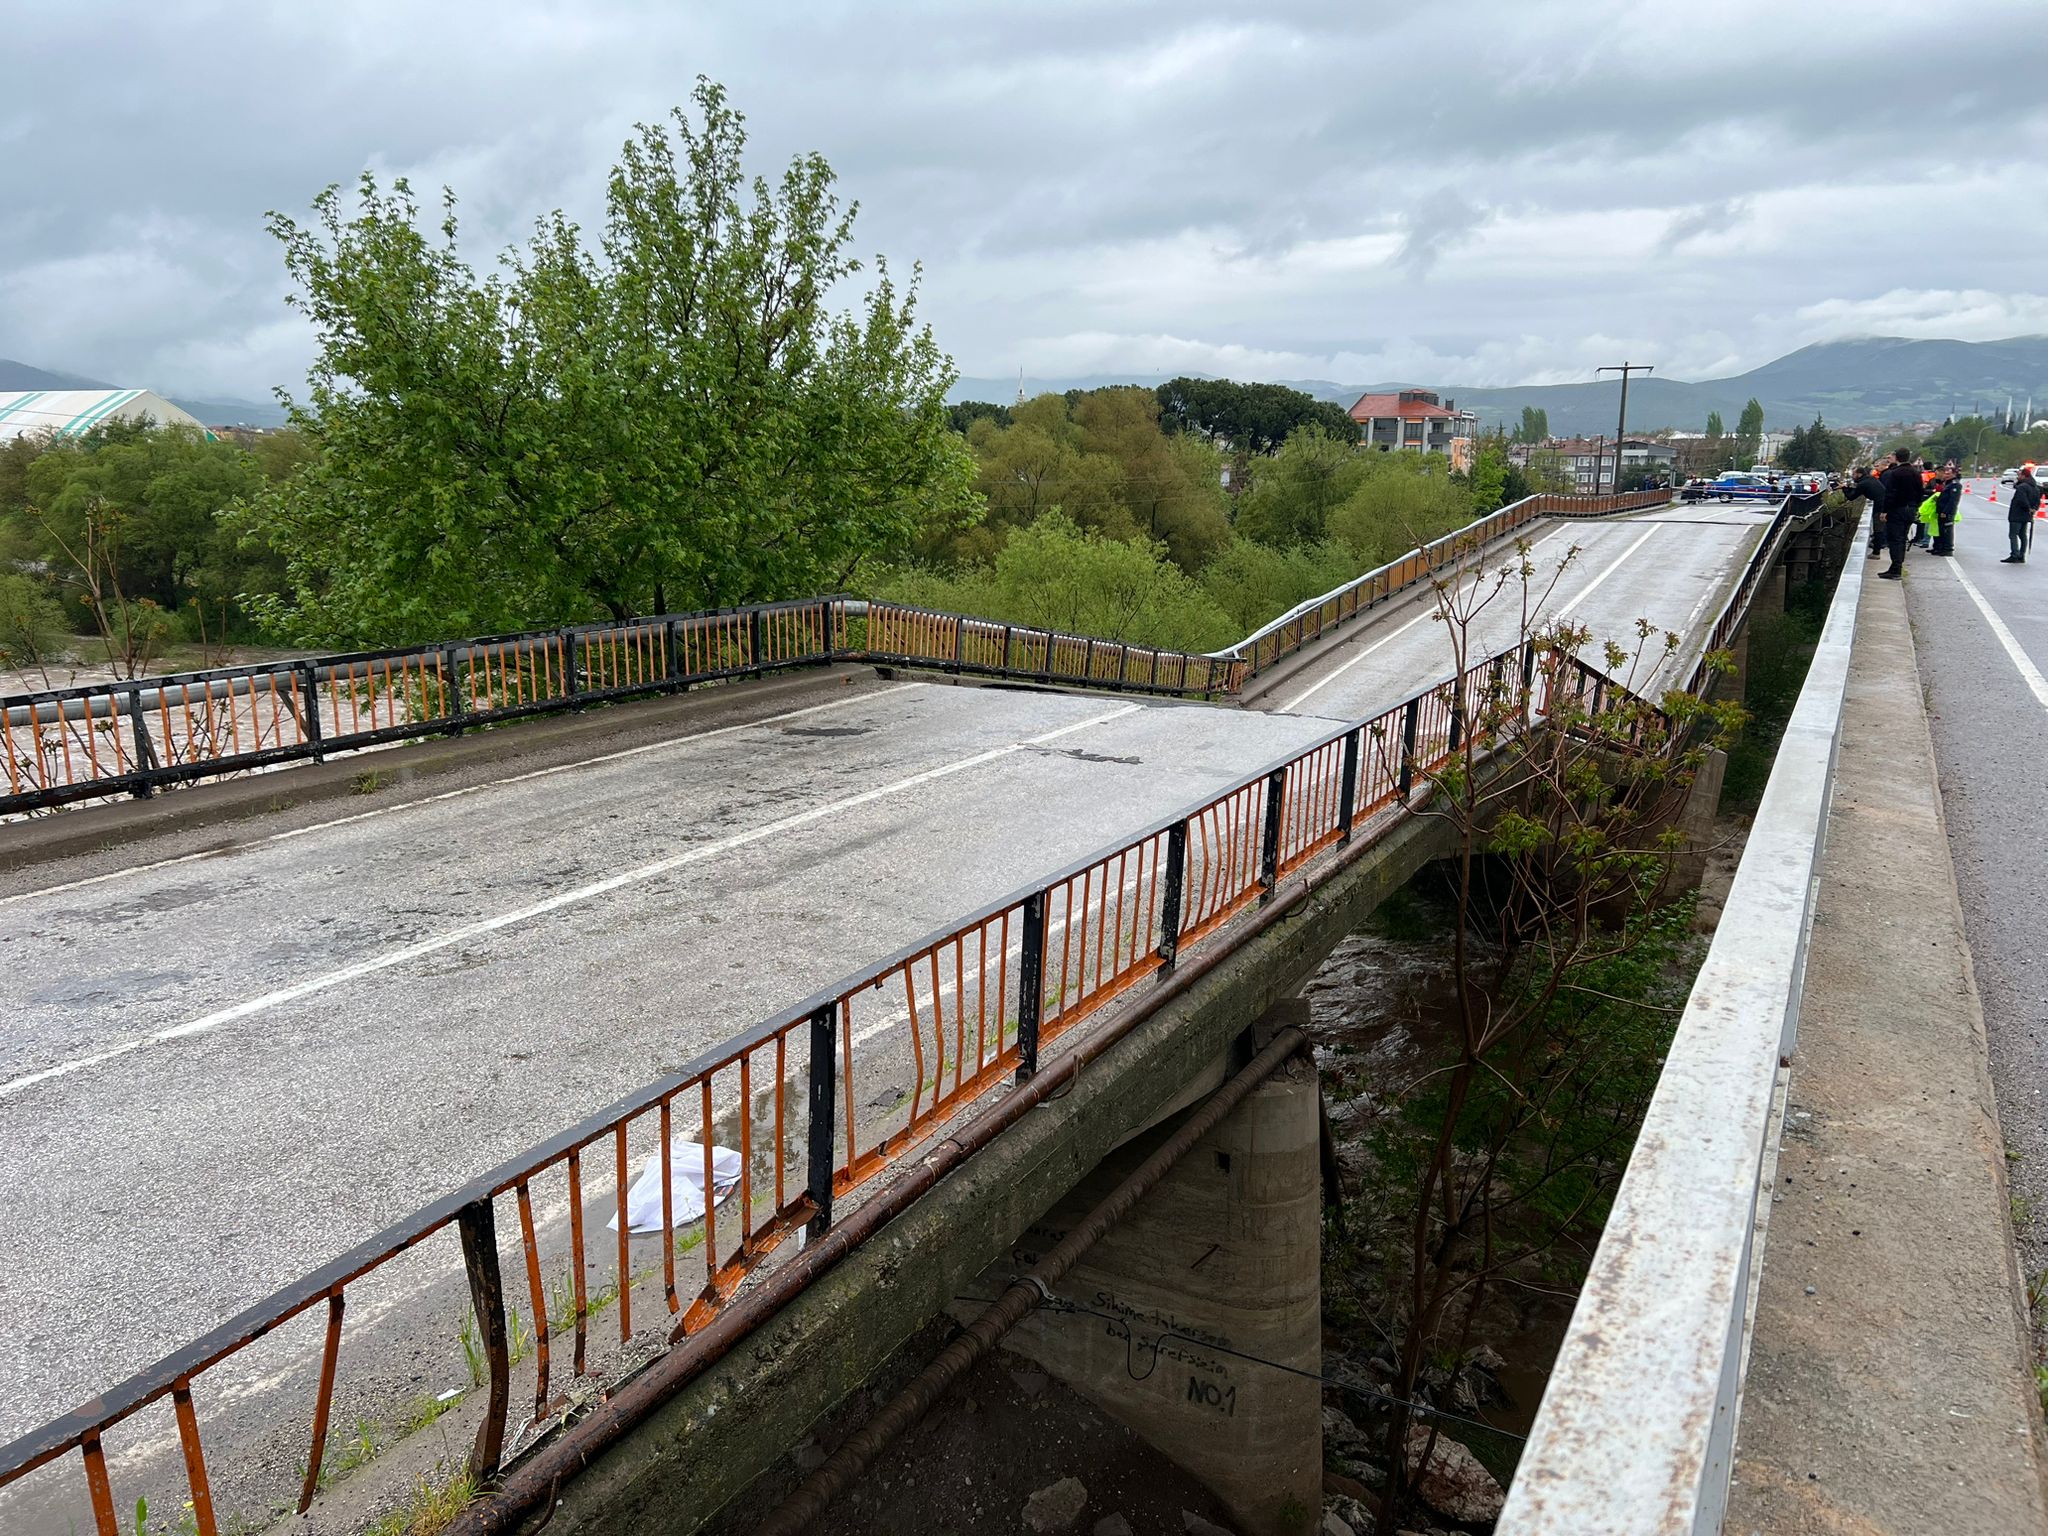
point(135, 737)
point(972, 1005)
point(1309, 620)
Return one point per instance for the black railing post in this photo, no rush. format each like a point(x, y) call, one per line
point(1457, 735)
point(824, 1099)
point(1123, 663)
point(1409, 720)
point(1008, 635)
point(1172, 898)
point(1088, 661)
point(309, 697)
point(755, 629)
point(572, 663)
point(1269, 851)
point(1347, 790)
point(478, 1224)
point(454, 697)
point(145, 755)
point(672, 644)
point(1031, 985)
point(960, 645)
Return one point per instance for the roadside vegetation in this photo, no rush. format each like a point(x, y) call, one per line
point(1490, 1166)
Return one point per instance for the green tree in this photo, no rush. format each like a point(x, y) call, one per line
point(1489, 480)
point(676, 418)
point(32, 627)
point(1058, 575)
point(1172, 488)
point(134, 514)
point(1534, 427)
point(1251, 420)
point(1714, 425)
point(1312, 475)
point(962, 415)
point(1749, 433)
point(1402, 501)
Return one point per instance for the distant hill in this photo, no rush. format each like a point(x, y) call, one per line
point(1866, 381)
point(215, 413)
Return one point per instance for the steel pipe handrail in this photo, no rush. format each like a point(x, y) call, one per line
point(1425, 559)
point(1393, 750)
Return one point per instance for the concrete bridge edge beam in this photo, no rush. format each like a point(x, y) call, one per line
point(714, 1438)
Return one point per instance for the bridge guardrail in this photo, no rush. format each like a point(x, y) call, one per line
point(1309, 621)
point(1636, 1431)
point(979, 999)
point(137, 737)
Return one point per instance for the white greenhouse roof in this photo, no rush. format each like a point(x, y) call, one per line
point(71, 412)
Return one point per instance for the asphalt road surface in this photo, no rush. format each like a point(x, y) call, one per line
point(222, 1070)
point(1980, 632)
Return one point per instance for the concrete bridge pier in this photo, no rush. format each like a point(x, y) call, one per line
point(1190, 1320)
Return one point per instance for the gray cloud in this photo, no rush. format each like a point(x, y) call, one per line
point(1286, 189)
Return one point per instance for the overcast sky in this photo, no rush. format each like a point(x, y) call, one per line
point(1482, 192)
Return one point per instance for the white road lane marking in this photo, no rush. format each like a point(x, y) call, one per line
point(1427, 613)
point(468, 931)
point(2029, 673)
point(1311, 691)
point(670, 744)
point(1594, 585)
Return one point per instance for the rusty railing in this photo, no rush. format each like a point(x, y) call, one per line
point(970, 1006)
point(1310, 620)
point(134, 738)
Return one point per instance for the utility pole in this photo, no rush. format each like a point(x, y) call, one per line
point(1621, 426)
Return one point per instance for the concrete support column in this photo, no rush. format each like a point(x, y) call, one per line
point(1222, 1261)
point(1696, 823)
point(1734, 684)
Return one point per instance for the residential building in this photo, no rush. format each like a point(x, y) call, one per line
point(1412, 418)
point(1590, 460)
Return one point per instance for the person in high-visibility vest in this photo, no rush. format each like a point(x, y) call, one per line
point(1948, 502)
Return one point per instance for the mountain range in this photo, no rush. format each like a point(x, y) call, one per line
point(215, 413)
point(1865, 381)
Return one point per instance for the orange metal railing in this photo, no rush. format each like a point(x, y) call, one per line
point(796, 1095)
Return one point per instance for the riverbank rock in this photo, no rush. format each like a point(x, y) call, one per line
point(1348, 1512)
point(1454, 1483)
point(1057, 1506)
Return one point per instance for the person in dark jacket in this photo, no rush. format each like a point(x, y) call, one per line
point(1862, 482)
point(1902, 498)
point(2019, 515)
point(1947, 498)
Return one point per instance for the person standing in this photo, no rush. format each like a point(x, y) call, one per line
point(1862, 481)
point(1902, 494)
point(1947, 501)
point(2019, 515)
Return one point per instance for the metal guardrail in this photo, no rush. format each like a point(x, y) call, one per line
point(134, 738)
point(137, 737)
point(1310, 620)
point(978, 1001)
point(1636, 1432)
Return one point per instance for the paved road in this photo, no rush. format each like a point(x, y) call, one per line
point(1980, 631)
point(1673, 568)
point(224, 1069)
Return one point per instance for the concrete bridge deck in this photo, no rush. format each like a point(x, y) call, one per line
point(224, 1068)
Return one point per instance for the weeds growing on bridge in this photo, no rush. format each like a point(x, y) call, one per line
point(1505, 1154)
